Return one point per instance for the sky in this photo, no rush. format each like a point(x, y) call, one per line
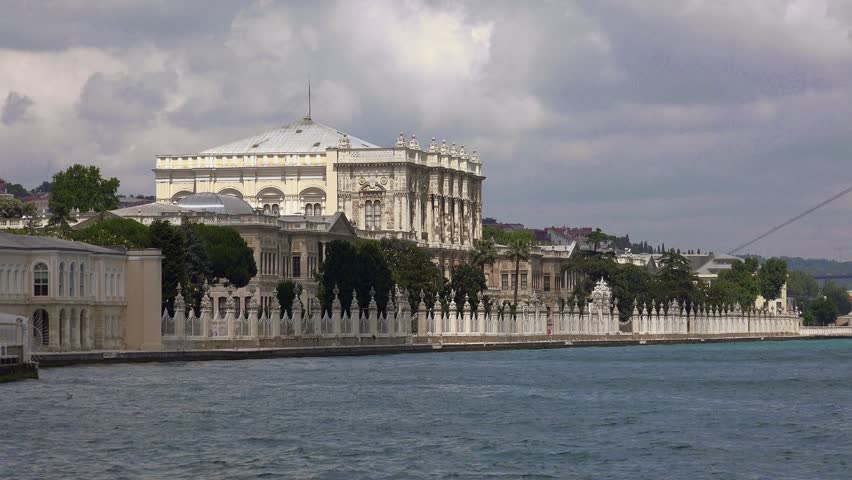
point(700, 124)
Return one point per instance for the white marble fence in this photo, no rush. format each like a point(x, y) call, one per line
point(826, 331)
point(187, 324)
point(599, 317)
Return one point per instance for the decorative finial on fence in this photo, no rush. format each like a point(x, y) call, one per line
point(444, 149)
point(433, 146)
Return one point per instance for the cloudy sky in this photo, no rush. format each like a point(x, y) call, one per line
point(696, 123)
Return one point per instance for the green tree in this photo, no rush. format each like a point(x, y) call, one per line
point(519, 249)
point(14, 208)
point(17, 190)
point(114, 231)
point(588, 267)
point(484, 252)
point(198, 268)
point(821, 311)
point(228, 254)
point(771, 278)
point(466, 280)
point(597, 238)
point(45, 187)
point(739, 284)
point(838, 296)
point(504, 237)
point(169, 240)
point(675, 280)
point(83, 188)
point(801, 289)
point(630, 283)
point(286, 293)
point(412, 269)
point(354, 265)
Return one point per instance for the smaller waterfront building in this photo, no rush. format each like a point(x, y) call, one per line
point(80, 296)
point(286, 247)
point(543, 273)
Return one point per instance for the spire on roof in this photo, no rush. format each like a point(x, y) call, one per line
point(308, 116)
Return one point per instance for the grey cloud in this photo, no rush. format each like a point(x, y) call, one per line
point(15, 108)
point(690, 123)
point(123, 100)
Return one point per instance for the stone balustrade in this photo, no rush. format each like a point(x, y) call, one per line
point(826, 331)
point(599, 317)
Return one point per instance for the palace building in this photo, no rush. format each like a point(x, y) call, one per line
point(430, 195)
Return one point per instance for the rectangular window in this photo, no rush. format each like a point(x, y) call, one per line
point(514, 280)
point(504, 281)
point(558, 281)
point(297, 266)
point(547, 283)
point(523, 281)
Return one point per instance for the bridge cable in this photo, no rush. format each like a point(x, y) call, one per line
point(788, 222)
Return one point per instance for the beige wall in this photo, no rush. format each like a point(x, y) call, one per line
point(144, 297)
point(100, 317)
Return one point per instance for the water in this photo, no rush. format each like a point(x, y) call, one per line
point(753, 410)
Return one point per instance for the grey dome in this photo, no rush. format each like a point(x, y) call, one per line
point(214, 202)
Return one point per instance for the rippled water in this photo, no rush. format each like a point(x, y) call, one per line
point(758, 410)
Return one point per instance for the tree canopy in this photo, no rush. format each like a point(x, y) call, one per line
point(14, 208)
point(358, 266)
point(504, 237)
point(466, 280)
point(484, 252)
point(411, 269)
point(519, 249)
point(286, 294)
point(82, 187)
point(838, 296)
point(801, 288)
point(114, 231)
point(228, 254)
point(772, 277)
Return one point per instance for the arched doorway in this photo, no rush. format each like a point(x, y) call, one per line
point(41, 329)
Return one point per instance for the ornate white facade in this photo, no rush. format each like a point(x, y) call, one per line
point(430, 195)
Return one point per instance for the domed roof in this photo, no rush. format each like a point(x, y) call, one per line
point(214, 202)
point(303, 136)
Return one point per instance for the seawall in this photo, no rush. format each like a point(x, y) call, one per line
point(72, 358)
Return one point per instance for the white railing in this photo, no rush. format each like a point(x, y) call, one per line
point(465, 322)
point(827, 331)
point(15, 340)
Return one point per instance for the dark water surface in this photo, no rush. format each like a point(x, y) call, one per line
point(752, 410)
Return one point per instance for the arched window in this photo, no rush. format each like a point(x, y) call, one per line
point(317, 209)
point(275, 210)
point(368, 214)
point(40, 280)
point(377, 215)
point(266, 209)
point(62, 279)
point(82, 280)
point(309, 209)
point(71, 276)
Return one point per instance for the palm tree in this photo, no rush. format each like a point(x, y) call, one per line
point(484, 251)
point(519, 249)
